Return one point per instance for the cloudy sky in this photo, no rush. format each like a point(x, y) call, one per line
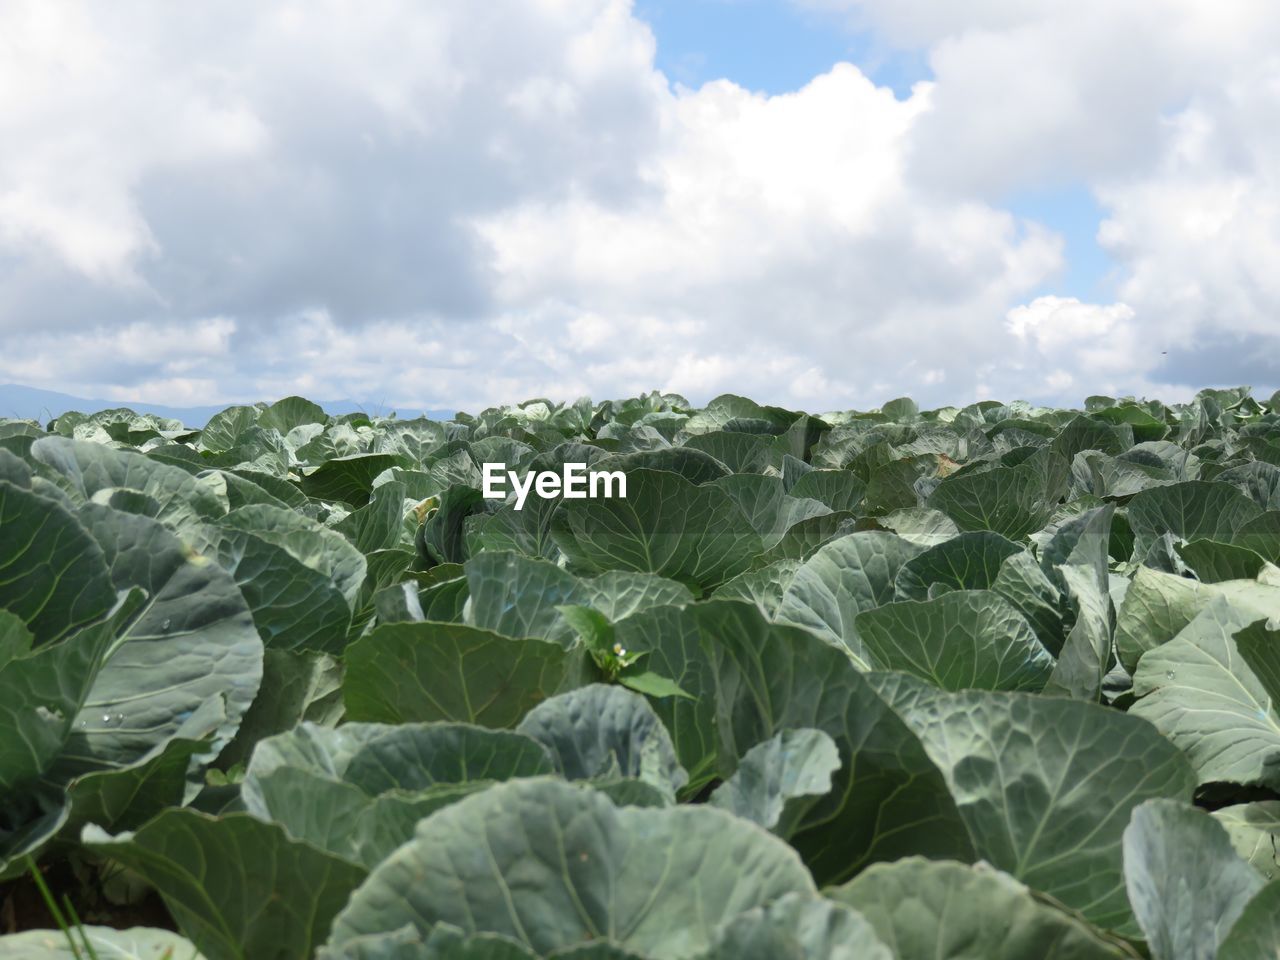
point(819, 203)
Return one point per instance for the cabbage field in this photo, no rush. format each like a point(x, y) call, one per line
point(994, 682)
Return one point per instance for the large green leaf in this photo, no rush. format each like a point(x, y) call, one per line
point(1045, 785)
point(962, 639)
point(731, 412)
point(1157, 606)
point(1201, 694)
point(358, 791)
point(920, 525)
point(764, 587)
point(695, 466)
point(415, 438)
point(766, 506)
point(261, 452)
point(137, 943)
point(15, 639)
point(379, 523)
point(85, 468)
point(1254, 829)
point(192, 641)
point(779, 780)
point(551, 864)
point(385, 568)
point(294, 606)
point(520, 596)
point(15, 450)
point(1082, 541)
point(1085, 657)
point(1010, 501)
point(243, 491)
point(126, 798)
point(455, 465)
point(1186, 884)
point(665, 525)
point(971, 561)
point(421, 756)
point(52, 573)
point(313, 544)
point(404, 672)
point(671, 639)
point(1214, 562)
point(224, 428)
point(239, 888)
point(897, 484)
point(606, 732)
point(798, 927)
point(620, 593)
point(841, 490)
point(349, 479)
point(295, 686)
point(805, 538)
point(284, 491)
point(284, 415)
point(1259, 645)
point(1086, 433)
point(1123, 476)
point(1256, 934)
point(740, 452)
point(1145, 426)
point(1258, 480)
point(41, 695)
point(842, 579)
point(889, 800)
point(526, 531)
point(1155, 609)
point(1262, 535)
point(942, 910)
point(42, 692)
point(442, 536)
point(1193, 510)
point(1028, 588)
point(447, 942)
point(315, 748)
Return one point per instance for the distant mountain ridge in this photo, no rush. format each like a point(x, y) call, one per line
point(31, 403)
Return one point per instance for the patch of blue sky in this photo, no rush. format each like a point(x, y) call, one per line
point(767, 46)
point(775, 46)
point(1072, 211)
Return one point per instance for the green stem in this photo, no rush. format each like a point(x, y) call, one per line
point(52, 905)
point(84, 934)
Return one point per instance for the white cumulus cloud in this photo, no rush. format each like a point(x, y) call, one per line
point(454, 204)
point(1169, 113)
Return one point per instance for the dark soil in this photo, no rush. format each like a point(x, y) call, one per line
point(22, 907)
